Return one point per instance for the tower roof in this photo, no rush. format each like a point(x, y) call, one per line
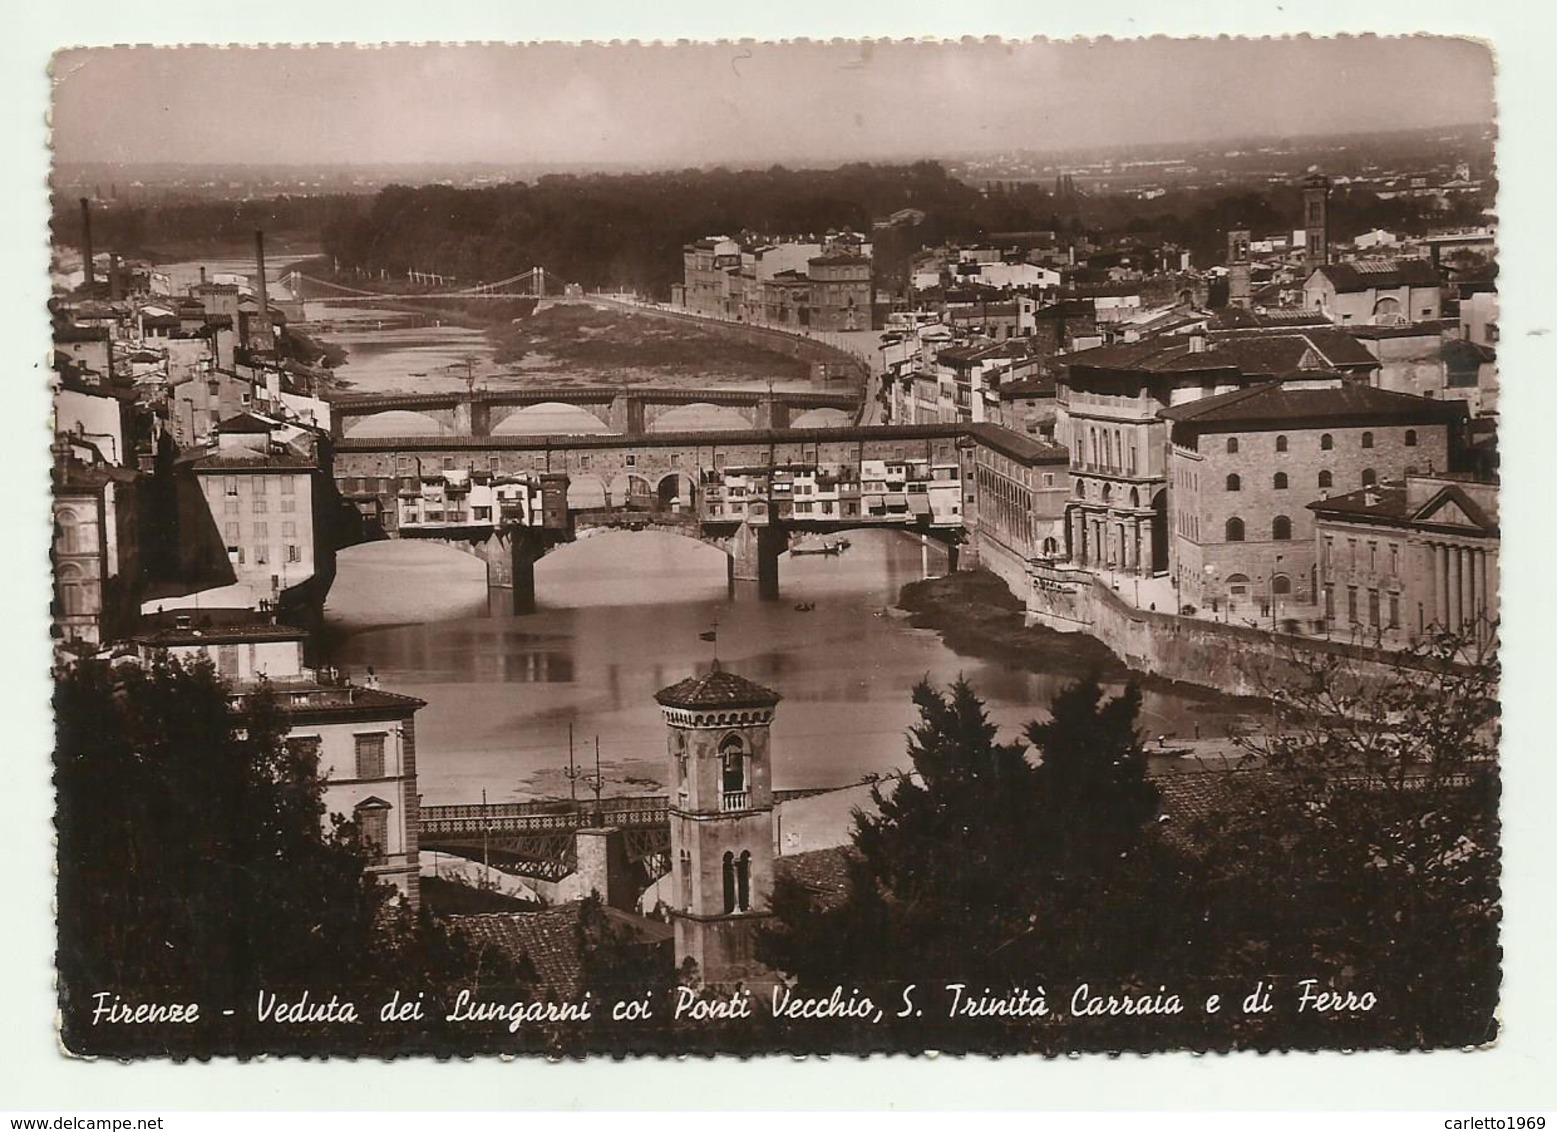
point(717, 689)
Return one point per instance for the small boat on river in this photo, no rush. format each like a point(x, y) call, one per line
point(821, 546)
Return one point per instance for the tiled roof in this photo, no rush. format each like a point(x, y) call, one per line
point(550, 941)
point(1282, 351)
point(717, 689)
point(1346, 403)
point(1254, 353)
point(1364, 275)
point(1018, 447)
point(1389, 503)
point(1039, 385)
point(245, 423)
point(1237, 318)
point(824, 873)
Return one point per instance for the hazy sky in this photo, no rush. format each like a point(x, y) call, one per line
point(690, 105)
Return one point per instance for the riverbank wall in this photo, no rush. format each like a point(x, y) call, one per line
point(1235, 659)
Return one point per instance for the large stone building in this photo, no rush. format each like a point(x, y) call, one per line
point(363, 737)
point(841, 296)
point(1244, 465)
point(1020, 485)
point(1383, 292)
point(707, 267)
point(261, 491)
point(1404, 559)
point(96, 549)
point(1108, 414)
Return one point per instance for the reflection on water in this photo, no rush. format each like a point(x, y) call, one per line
point(619, 619)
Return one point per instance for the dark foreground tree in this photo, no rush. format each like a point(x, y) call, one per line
point(1365, 853)
point(969, 858)
point(195, 868)
point(1355, 853)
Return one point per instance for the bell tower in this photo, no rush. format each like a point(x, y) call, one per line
point(721, 819)
point(1238, 267)
point(1316, 205)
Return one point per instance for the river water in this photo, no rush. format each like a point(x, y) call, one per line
point(620, 617)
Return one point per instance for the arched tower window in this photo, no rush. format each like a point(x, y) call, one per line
point(1281, 444)
point(1369, 477)
point(743, 881)
point(1234, 483)
point(1279, 481)
point(1234, 530)
point(1326, 442)
point(729, 882)
point(69, 538)
point(1410, 438)
point(1326, 479)
point(732, 755)
point(1367, 440)
point(1281, 528)
point(1232, 445)
point(73, 590)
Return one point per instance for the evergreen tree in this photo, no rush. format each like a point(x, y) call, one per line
point(971, 857)
point(195, 867)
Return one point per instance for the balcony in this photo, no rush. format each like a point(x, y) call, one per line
point(731, 800)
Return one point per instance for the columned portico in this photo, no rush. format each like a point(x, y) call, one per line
point(1461, 586)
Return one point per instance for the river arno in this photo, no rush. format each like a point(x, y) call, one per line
point(620, 617)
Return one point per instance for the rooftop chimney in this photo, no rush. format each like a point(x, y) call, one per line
point(1197, 341)
point(86, 243)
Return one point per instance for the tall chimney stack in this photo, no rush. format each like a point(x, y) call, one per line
point(86, 243)
point(113, 277)
point(262, 296)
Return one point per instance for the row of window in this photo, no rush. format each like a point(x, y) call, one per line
point(261, 531)
point(237, 555)
point(1326, 442)
point(1352, 611)
point(1326, 480)
point(1280, 529)
point(260, 485)
point(232, 506)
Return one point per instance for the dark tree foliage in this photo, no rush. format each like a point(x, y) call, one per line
point(195, 867)
point(1358, 851)
point(965, 862)
point(1377, 809)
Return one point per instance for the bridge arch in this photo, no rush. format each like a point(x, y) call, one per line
point(675, 488)
point(699, 416)
point(629, 489)
point(587, 492)
point(822, 418)
point(396, 422)
point(553, 418)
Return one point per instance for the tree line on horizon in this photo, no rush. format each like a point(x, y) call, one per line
point(628, 230)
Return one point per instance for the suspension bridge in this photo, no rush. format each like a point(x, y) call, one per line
point(534, 283)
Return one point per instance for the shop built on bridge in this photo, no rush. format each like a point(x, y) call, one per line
point(511, 499)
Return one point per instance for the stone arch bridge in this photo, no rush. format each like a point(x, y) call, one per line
point(628, 412)
point(370, 472)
